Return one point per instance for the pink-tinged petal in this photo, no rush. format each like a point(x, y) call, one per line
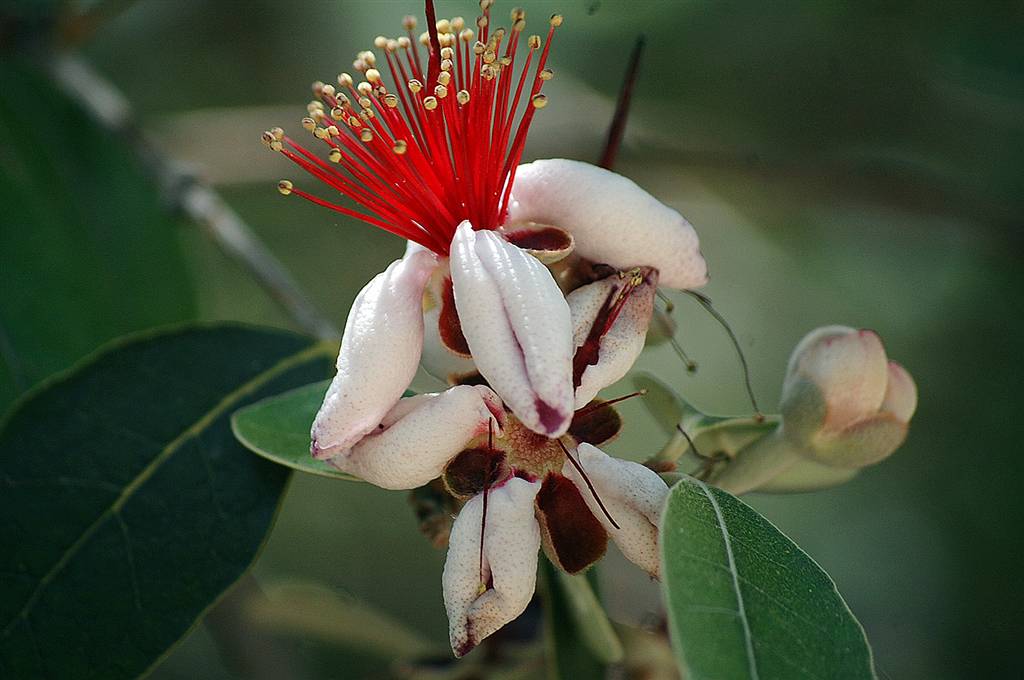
point(420, 435)
point(610, 319)
point(631, 494)
point(900, 393)
point(480, 603)
point(847, 367)
point(612, 220)
point(380, 352)
point(517, 325)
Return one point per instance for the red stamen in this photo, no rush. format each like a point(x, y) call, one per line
point(440, 150)
point(593, 491)
point(596, 406)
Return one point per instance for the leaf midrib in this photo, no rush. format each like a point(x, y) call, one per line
point(250, 386)
point(741, 611)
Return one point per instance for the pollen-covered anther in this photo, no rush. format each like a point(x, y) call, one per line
point(458, 23)
point(441, 91)
point(400, 147)
point(373, 75)
point(404, 43)
point(364, 88)
point(444, 77)
point(366, 135)
point(391, 101)
point(533, 42)
point(285, 187)
point(408, 22)
point(556, 20)
point(467, 35)
point(463, 97)
point(547, 74)
point(539, 101)
point(415, 86)
point(380, 42)
point(430, 103)
point(334, 155)
point(317, 87)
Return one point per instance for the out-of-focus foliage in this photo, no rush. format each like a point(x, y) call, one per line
point(87, 251)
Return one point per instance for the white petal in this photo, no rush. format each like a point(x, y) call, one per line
point(379, 354)
point(632, 494)
point(612, 219)
point(900, 393)
point(511, 539)
point(847, 366)
point(420, 435)
point(517, 326)
point(622, 343)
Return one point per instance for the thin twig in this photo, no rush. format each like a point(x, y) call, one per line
point(618, 126)
point(187, 193)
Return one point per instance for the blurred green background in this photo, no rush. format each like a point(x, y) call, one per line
point(843, 162)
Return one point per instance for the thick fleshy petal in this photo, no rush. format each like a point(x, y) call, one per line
point(900, 393)
point(612, 220)
point(517, 325)
point(632, 495)
point(440, 325)
point(511, 539)
point(610, 319)
point(380, 352)
point(420, 435)
point(849, 369)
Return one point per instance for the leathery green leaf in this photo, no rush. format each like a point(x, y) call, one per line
point(130, 505)
point(745, 602)
point(277, 428)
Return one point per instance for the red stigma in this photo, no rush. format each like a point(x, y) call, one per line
point(420, 155)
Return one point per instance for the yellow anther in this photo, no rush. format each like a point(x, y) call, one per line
point(391, 100)
point(481, 22)
point(447, 53)
point(368, 57)
point(458, 23)
point(479, 47)
point(338, 113)
point(364, 102)
point(320, 133)
point(486, 5)
point(447, 64)
point(440, 91)
point(467, 36)
point(333, 130)
point(373, 75)
point(353, 122)
point(443, 26)
point(345, 80)
point(315, 105)
point(309, 124)
point(334, 155)
point(284, 187)
point(415, 86)
point(539, 101)
point(533, 41)
point(519, 26)
point(267, 138)
point(367, 114)
point(463, 97)
point(556, 20)
point(505, 61)
point(489, 56)
point(392, 45)
point(277, 132)
point(409, 22)
point(400, 147)
point(380, 42)
point(517, 14)
point(444, 77)
point(404, 42)
point(430, 103)
point(547, 74)
point(366, 135)
point(318, 88)
point(425, 39)
point(364, 88)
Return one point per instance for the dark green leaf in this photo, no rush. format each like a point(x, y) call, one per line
point(86, 251)
point(277, 428)
point(745, 602)
point(567, 653)
point(129, 505)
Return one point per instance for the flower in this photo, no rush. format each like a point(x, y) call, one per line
point(843, 402)
point(434, 159)
point(525, 492)
point(528, 287)
point(844, 406)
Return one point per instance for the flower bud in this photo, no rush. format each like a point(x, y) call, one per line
point(843, 403)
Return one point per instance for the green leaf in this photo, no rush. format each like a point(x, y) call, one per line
point(745, 602)
point(567, 651)
point(129, 505)
point(87, 251)
point(277, 428)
